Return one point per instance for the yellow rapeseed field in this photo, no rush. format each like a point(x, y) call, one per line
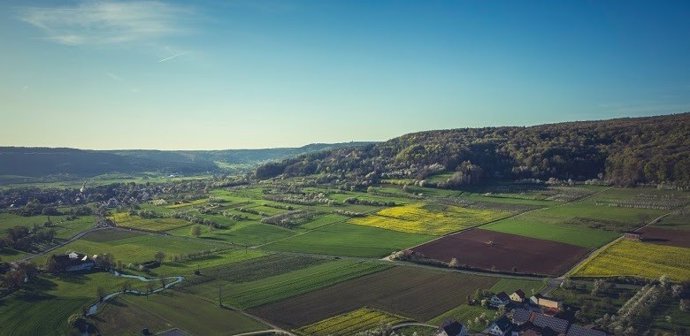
point(419, 218)
point(351, 323)
point(633, 258)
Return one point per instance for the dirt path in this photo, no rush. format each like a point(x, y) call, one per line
point(512, 216)
point(75, 237)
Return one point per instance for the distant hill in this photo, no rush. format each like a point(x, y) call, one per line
point(41, 162)
point(624, 151)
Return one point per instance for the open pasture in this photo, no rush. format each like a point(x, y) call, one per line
point(350, 323)
point(349, 240)
point(137, 249)
point(44, 306)
point(408, 291)
point(243, 233)
point(103, 236)
point(281, 286)
point(488, 250)
point(124, 219)
point(423, 218)
point(678, 219)
point(638, 259)
point(323, 220)
point(31, 315)
point(63, 228)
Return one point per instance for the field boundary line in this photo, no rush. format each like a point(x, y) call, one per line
point(308, 231)
point(600, 250)
point(509, 217)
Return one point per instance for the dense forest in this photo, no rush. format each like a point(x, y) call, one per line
point(39, 162)
point(625, 151)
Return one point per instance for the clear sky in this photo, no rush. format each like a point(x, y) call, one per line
point(253, 73)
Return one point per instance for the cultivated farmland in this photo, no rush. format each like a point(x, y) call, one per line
point(254, 269)
point(411, 292)
point(426, 219)
point(638, 259)
point(278, 287)
point(173, 310)
point(349, 240)
point(671, 237)
point(350, 323)
point(124, 219)
point(488, 250)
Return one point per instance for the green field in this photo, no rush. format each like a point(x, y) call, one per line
point(323, 220)
point(126, 220)
point(63, 228)
point(585, 222)
point(243, 233)
point(508, 285)
point(678, 220)
point(53, 299)
point(532, 225)
point(464, 314)
point(349, 240)
point(48, 316)
point(137, 249)
point(324, 274)
point(254, 268)
point(274, 288)
point(173, 309)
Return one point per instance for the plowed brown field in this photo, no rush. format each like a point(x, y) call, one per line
point(489, 250)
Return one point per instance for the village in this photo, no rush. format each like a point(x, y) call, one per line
point(524, 316)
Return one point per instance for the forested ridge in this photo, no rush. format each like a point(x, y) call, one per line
point(37, 162)
point(624, 151)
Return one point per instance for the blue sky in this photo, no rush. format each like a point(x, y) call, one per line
point(250, 74)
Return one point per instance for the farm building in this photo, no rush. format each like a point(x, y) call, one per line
point(453, 328)
point(534, 323)
point(518, 296)
point(71, 262)
point(545, 321)
point(500, 299)
point(547, 303)
point(500, 327)
point(633, 235)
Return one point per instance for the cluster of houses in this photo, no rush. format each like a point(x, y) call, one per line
point(533, 316)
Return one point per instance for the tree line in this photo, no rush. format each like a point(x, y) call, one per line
point(625, 152)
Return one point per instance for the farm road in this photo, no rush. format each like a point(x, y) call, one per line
point(75, 237)
point(596, 252)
